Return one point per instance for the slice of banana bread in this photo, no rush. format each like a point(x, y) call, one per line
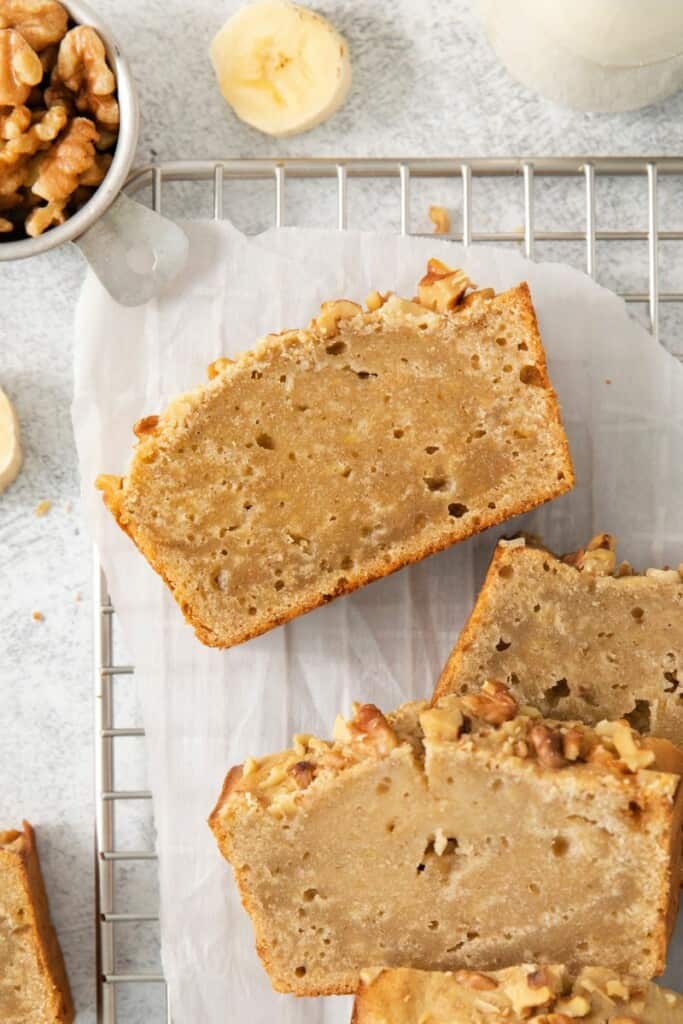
point(577, 636)
point(328, 457)
point(473, 834)
point(548, 993)
point(33, 983)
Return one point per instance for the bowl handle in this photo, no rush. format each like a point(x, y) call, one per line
point(134, 251)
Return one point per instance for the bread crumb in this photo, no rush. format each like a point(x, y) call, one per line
point(42, 508)
point(37, 616)
point(608, 380)
point(77, 596)
point(441, 220)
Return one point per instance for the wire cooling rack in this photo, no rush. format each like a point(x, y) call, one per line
point(579, 210)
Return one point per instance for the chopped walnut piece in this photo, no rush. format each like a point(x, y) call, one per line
point(370, 721)
point(493, 704)
point(331, 313)
point(603, 541)
point(481, 295)
point(300, 742)
point(43, 131)
point(61, 168)
point(20, 68)
point(303, 773)
point(600, 562)
point(5, 225)
point(598, 558)
point(572, 744)
point(375, 301)
point(368, 726)
point(626, 744)
point(108, 482)
point(475, 980)
point(443, 722)
point(215, 368)
point(43, 217)
point(576, 1006)
point(442, 288)
point(41, 22)
point(441, 220)
point(548, 746)
point(531, 991)
point(82, 67)
point(539, 978)
point(146, 425)
point(617, 990)
point(14, 121)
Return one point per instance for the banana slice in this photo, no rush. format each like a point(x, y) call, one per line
point(282, 68)
point(10, 448)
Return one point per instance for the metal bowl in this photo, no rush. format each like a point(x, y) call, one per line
point(124, 154)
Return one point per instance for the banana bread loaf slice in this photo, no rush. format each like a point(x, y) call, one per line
point(547, 993)
point(328, 457)
point(33, 983)
point(577, 636)
point(473, 834)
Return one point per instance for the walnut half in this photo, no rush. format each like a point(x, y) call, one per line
point(442, 288)
point(368, 726)
point(20, 68)
point(41, 22)
point(493, 704)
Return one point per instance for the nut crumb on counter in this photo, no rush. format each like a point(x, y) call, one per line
point(42, 508)
point(441, 219)
point(37, 616)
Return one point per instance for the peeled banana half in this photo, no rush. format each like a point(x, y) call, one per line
point(10, 448)
point(283, 69)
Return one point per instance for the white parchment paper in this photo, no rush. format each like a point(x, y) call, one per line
point(205, 710)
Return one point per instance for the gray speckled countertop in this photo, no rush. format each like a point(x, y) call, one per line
point(425, 83)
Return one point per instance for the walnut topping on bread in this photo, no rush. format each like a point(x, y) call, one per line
point(409, 826)
point(592, 995)
point(327, 457)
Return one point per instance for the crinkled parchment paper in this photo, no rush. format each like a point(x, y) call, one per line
point(205, 710)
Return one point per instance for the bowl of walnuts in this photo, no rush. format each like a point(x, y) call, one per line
point(68, 123)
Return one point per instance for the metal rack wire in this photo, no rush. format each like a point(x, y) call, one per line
point(218, 176)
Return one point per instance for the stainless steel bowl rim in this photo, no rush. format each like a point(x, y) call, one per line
point(124, 153)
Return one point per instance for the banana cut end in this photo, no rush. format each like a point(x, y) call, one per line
point(10, 445)
point(282, 68)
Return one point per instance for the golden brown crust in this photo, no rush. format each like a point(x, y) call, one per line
point(23, 855)
point(471, 627)
point(383, 563)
